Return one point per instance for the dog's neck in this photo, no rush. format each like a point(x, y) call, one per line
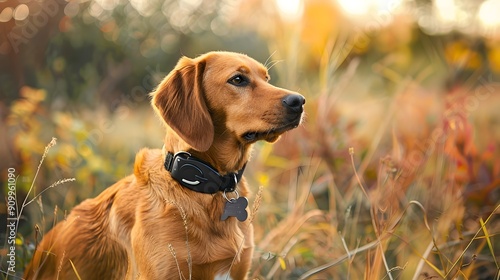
point(199, 176)
point(226, 155)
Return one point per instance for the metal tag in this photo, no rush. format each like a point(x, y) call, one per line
point(236, 207)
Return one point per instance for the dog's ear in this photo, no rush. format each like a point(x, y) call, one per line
point(180, 101)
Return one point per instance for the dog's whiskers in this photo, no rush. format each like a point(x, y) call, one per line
point(273, 63)
point(268, 59)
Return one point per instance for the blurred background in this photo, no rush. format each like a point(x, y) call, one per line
point(395, 173)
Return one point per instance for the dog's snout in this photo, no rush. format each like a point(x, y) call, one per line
point(294, 102)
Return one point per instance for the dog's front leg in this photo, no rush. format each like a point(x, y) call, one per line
point(240, 269)
point(158, 250)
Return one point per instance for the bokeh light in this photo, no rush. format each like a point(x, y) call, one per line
point(290, 9)
point(368, 8)
point(6, 14)
point(489, 14)
point(21, 12)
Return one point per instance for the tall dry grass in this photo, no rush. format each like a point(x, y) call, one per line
point(398, 182)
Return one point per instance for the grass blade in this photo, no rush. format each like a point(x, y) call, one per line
point(74, 269)
point(488, 240)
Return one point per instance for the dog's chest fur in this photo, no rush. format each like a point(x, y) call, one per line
point(184, 236)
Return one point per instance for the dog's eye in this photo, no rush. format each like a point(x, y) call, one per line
point(238, 80)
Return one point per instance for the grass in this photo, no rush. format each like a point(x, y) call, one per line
point(386, 187)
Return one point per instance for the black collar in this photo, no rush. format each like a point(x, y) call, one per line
point(199, 176)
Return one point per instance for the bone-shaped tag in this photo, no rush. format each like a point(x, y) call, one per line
point(236, 208)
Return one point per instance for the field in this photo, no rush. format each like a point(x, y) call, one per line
point(394, 173)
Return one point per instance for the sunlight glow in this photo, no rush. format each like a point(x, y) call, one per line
point(446, 10)
point(355, 7)
point(366, 7)
point(289, 9)
point(488, 13)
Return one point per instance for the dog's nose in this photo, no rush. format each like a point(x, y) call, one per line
point(294, 102)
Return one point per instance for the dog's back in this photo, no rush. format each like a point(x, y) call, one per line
point(83, 245)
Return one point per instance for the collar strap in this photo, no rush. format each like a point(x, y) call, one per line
point(198, 175)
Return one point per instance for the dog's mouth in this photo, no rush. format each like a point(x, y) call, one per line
point(272, 134)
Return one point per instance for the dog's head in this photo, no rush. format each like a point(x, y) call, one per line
point(222, 93)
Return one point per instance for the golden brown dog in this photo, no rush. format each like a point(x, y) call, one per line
point(181, 215)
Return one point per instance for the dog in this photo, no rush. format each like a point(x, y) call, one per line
point(183, 212)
